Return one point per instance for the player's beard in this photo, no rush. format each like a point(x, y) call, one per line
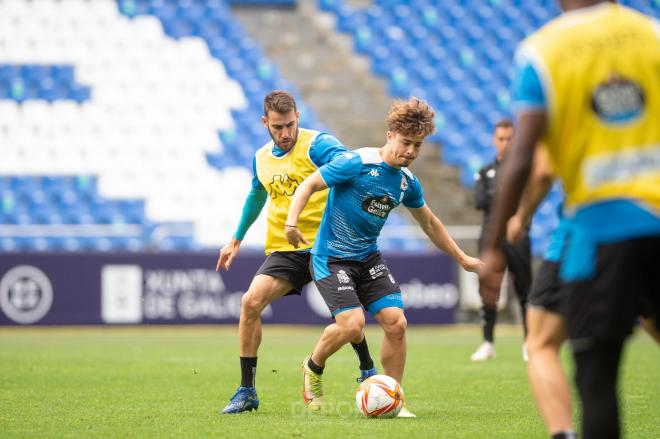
point(287, 147)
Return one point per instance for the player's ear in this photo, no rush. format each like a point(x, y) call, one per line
point(264, 120)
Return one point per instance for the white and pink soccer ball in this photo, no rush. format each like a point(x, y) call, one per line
point(379, 396)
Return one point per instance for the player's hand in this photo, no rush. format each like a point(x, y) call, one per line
point(515, 229)
point(227, 255)
point(490, 276)
point(294, 236)
point(473, 265)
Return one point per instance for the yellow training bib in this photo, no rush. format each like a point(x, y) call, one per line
point(281, 176)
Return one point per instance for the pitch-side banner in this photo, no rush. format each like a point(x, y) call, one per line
point(71, 289)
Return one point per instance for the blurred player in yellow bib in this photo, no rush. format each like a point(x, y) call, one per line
point(587, 85)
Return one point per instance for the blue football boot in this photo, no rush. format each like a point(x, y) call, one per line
point(245, 399)
point(364, 374)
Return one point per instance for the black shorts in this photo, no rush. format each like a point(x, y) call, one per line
point(346, 283)
point(626, 285)
point(292, 266)
point(546, 290)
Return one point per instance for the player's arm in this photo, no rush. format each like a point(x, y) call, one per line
point(341, 169)
point(325, 149)
point(537, 188)
point(513, 176)
point(531, 107)
point(254, 203)
point(313, 183)
point(437, 233)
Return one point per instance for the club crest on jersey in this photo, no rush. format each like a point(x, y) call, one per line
point(404, 183)
point(378, 206)
point(282, 185)
point(618, 100)
point(343, 277)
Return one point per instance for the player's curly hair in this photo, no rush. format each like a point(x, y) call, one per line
point(413, 117)
point(279, 101)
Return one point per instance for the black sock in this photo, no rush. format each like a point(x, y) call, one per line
point(315, 367)
point(248, 371)
point(362, 351)
point(490, 315)
point(566, 434)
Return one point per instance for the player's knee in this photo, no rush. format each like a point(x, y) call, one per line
point(354, 332)
point(538, 343)
point(396, 327)
point(353, 329)
point(251, 305)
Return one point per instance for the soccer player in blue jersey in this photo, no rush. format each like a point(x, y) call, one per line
point(587, 87)
point(279, 166)
point(349, 271)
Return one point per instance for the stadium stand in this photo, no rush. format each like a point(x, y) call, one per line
point(457, 55)
point(129, 125)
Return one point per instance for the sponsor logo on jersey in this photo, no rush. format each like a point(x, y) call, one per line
point(618, 100)
point(374, 172)
point(378, 206)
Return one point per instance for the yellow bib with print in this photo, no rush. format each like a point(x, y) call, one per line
point(600, 69)
point(281, 176)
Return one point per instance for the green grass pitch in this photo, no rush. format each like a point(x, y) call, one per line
point(154, 382)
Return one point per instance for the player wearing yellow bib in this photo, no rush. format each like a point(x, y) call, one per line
point(587, 85)
point(279, 167)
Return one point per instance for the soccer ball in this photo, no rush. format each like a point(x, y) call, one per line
point(379, 396)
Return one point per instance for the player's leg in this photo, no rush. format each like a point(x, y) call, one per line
point(546, 377)
point(394, 347)
point(349, 324)
point(519, 263)
point(596, 376)
point(281, 273)
point(545, 337)
point(600, 314)
point(331, 280)
point(263, 291)
point(380, 294)
point(486, 349)
point(348, 327)
point(367, 367)
point(650, 319)
point(335, 282)
point(388, 311)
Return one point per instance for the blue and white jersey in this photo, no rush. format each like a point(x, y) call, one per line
point(363, 191)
